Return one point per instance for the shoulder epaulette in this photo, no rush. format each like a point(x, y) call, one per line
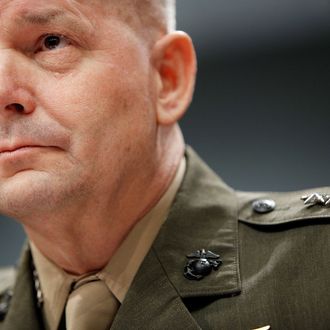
point(270, 208)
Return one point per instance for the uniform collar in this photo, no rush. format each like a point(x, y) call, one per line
point(203, 215)
point(123, 266)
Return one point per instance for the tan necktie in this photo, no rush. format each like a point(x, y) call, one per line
point(91, 305)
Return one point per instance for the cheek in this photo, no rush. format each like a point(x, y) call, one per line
point(103, 105)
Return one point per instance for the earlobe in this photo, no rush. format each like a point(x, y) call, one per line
point(175, 62)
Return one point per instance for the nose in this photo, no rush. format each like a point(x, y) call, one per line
point(16, 98)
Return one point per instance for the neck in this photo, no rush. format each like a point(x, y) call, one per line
point(83, 238)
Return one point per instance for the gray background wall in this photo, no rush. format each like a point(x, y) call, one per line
point(261, 112)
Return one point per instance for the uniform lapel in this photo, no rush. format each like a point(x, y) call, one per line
point(203, 216)
point(152, 302)
point(23, 313)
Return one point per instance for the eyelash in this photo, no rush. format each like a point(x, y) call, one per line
point(45, 36)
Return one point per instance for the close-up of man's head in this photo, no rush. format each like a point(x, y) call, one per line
point(89, 89)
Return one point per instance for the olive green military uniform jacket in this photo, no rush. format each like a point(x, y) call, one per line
point(275, 270)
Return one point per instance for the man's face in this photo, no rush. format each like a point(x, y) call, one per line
point(84, 78)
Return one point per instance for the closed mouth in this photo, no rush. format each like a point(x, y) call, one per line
point(17, 148)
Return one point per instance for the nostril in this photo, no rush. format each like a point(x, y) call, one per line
point(15, 106)
point(18, 107)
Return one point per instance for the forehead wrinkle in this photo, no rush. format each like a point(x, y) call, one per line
point(45, 17)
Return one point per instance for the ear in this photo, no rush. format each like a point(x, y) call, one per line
point(174, 59)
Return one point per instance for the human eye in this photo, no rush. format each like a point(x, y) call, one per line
point(51, 42)
point(55, 51)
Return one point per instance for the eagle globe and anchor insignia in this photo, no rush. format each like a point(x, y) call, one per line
point(200, 264)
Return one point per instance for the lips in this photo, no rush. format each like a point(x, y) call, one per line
point(11, 149)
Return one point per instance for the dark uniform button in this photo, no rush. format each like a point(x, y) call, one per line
point(263, 205)
point(5, 299)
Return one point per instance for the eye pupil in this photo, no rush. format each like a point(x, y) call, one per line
point(51, 42)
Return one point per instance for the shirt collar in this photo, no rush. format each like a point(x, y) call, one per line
point(119, 273)
point(123, 266)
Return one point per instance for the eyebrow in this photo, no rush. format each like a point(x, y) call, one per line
point(41, 18)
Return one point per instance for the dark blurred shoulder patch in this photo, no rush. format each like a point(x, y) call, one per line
point(271, 208)
point(7, 281)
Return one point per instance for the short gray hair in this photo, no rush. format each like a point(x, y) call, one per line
point(170, 10)
point(160, 13)
point(154, 17)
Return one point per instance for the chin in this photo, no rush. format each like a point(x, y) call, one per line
point(31, 194)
